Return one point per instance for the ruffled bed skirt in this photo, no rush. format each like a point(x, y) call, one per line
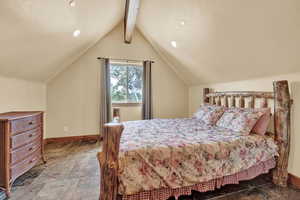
point(165, 193)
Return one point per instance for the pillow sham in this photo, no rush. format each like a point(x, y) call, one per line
point(209, 114)
point(240, 119)
point(262, 124)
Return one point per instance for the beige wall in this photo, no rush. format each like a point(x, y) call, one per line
point(262, 84)
point(73, 95)
point(21, 95)
point(130, 113)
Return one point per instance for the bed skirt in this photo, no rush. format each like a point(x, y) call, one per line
point(165, 193)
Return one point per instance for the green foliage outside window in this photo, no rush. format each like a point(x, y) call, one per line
point(126, 83)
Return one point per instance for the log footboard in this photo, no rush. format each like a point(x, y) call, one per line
point(108, 160)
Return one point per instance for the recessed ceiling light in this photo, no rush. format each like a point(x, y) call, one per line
point(174, 44)
point(76, 33)
point(182, 23)
point(72, 3)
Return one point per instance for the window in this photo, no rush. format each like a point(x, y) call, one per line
point(126, 83)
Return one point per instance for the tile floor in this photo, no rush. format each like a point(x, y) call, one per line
point(72, 173)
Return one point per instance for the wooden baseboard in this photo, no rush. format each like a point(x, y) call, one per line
point(72, 139)
point(294, 180)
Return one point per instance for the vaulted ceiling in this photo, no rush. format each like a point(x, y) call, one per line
point(36, 38)
point(217, 40)
point(225, 40)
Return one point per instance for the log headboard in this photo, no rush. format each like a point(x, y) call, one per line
point(282, 109)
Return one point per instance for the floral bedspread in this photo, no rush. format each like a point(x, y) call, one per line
point(182, 152)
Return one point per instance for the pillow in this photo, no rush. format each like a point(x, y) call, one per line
point(209, 114)
point(262, 124)
point(240, 119)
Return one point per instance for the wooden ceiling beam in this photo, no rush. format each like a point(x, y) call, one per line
point(131, 13)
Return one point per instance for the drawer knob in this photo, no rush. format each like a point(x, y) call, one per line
point(30, 123)
point(31, 161)
point(30, 135)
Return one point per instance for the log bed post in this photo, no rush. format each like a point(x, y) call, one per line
point(108, 160)
point(282, 105)
point(205, 98)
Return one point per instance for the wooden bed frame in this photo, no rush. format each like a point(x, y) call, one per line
point(108, 158)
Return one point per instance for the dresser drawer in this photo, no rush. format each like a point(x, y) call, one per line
point(25, 138)
point(25, 124)
point(23, 152)
point(23, 166)
point(21, 145)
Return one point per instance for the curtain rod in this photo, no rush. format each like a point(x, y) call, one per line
point(127, 60)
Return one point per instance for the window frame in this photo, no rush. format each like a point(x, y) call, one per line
point(127, 65)
point(120, 104)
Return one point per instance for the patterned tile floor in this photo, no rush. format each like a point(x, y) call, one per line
point(72, 173)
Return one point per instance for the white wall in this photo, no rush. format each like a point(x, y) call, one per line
point(73, 95)
point(21, 95)
point(262, 84)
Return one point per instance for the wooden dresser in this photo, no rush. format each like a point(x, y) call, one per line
point(21, 145)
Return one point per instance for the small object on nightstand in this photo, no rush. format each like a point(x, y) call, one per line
point(116, 120)
point(116, 114)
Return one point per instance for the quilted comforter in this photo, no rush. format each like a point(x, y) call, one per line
point(176, 153)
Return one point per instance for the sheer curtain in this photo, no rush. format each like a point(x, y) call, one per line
point(147, 110)
point(105, 97)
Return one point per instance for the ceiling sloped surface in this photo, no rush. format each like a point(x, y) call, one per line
point(37, 36)
point(219, 41)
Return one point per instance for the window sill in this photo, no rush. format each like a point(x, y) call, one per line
point(126, 104)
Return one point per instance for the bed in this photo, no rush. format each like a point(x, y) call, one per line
point(159, 158)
